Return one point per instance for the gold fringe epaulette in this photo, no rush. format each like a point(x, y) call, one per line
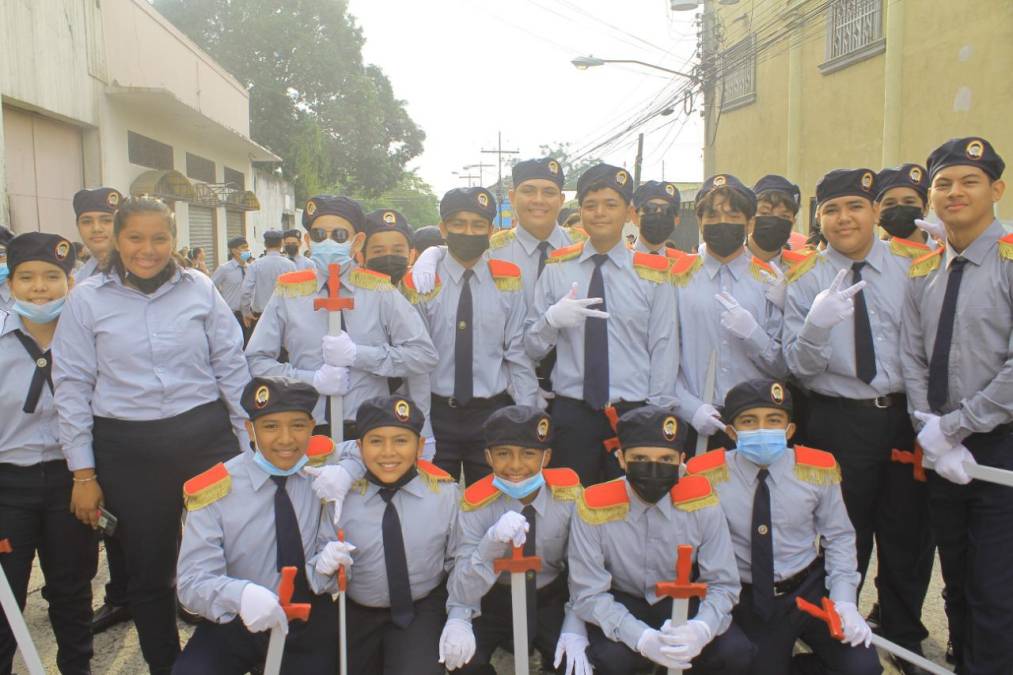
point(711, 465)
point(921, 267)
point(604, 502)
point(577, 234)
point(905, 248)
point(799, 269)
point(297, 284)
point(432, 475)
point(505, 274)
point(319, 449)
point(1006, 247)
point(479, 494)
point(206, 488)
point(502, 238)
point(693, 493)
point(360, 486)
point(563, 483)
point(565, 253)
point(756, 266)
point(683, 269)
point(413, 296)
point(652, 267)
point(816, 466)
point(370, 280)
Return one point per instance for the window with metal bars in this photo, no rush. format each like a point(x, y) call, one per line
point(854, 32)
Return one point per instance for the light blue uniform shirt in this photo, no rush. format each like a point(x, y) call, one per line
point(261, 276)
point(228, 279)
point(301, 262)
point(122, 354)
point(701, 332)
point(88, 269)
point(6, 299)
point(824, 359)
point(25, 438)
point(521, 248)
point(643, 336)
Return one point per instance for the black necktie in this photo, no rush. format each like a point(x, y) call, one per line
point(939, 364)
point(286, 532)
point(531, 578)
point(464, 344)
point(865, 350)
point(543, 254)
point(762, 549)
point(402, 609)
point(596, 343)
point(43, 371)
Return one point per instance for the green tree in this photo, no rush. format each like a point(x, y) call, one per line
point(334, 119)
point(413, 197)
point(564, 154)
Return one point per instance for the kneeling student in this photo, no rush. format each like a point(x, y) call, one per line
point(248, 518)
point(626, 540)
point(779, 502)
point(524, 504)
point(401, 518)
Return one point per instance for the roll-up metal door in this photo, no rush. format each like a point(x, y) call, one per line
point(202, 234)
point(235, 224)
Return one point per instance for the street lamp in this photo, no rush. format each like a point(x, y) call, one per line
point(585, 62)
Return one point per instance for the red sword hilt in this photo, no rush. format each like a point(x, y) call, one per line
point(682, 588)
point(342, 574)
point(518, 563)
point(827, 614)
point(293, 611)
point(5, 546)
point(333, 302)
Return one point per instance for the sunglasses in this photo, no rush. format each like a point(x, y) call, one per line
point(338, 234)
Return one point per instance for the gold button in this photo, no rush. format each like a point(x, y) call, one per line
point(462, 325)
point(762, 529)
point(41, 362)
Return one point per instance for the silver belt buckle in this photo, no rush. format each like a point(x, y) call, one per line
point(451, 402)
point(882, 402)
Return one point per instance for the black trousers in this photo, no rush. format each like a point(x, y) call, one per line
point(884, 503)
point(494, 626)
point(116, 587)
point(973, 526)
point(728, 653)
point(457, 430)
point(376, 646)
point(247, 332)
point(775, 636)
point(35, 517)
point(581, 433)
point(142, 467)
point(311, 647)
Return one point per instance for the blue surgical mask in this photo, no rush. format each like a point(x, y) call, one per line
point(329, 252)
point(521, 489)
point(4, 272)
point(40, 313)
point(245, 256)
point(272, 470)
point(761, 446)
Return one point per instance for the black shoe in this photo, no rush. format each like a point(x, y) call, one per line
point(909, 668)
point(107, 616)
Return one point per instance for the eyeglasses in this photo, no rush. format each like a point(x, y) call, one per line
point(338, 234)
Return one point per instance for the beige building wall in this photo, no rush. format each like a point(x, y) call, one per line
point(944, 71)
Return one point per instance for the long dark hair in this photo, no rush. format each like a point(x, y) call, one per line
point(127, 208)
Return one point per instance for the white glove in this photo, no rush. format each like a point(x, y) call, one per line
point(574, 648)
point(334, 555)
point(657, 646)
point(736, 319)
point(424, 269)
point(934, 230)
point(331, 483)
point(835, 304)
point(932, 439)
point(951, 465)
point(259, 609)
point(707, 421)
point(856, 631)
point(331, 380)
point(569, 312)
point(339, 350)
point(429, 449)
point(511, 528)
point(776, 285)
point(457, 642)
point(693, 635)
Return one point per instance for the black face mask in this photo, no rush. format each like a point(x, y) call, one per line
point(724, 238)
point(146, 286)
point(899, 221)
point(291, 250)
point(657, 224)
point(467, 247)
point(652, 480)
point(393, 266)
point(771, 232)
point(405, 478)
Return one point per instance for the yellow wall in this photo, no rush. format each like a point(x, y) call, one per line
point(956, 80)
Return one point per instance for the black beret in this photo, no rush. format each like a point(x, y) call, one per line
point(912, 176)
point(522, 425)
point(329, 205)
point(846, 183)
point(268, 395)
point(972, 151)
point(725, 180)
point(651, 426)
point(103, 199)
point(427, 236)
point(656, 189)
point(605, 176)
point(293, 233)
point(388, 411)
point(761, 393)
point(472, 199)
point(530, 169)
point(50, 248)
point(564, 214)
point(772, 182)
point(236, 242)
point(387, 220)
point(273, 236)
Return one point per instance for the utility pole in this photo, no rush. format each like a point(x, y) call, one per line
point(499, 152)
point(480, 166)
point(639, 161)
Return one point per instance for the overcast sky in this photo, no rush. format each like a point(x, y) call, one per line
point(469, 68)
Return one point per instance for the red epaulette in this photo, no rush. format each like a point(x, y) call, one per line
point(793, 257)
point(816, 466)
point(566, 253)
point(711, 465)
point(297, 284)
point(907, 248)
point(652, 267)
point(320, 448)
point(673, 253)
point(1006, 247)
point(922, 265)
point(207, 488)
point(479, 494)
point(563, 483)
point(505, 274)
point(432, 475)
point(412, 294)
point(693, 493)
point(756, 265)
point(684, 267)
point(604, 502)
